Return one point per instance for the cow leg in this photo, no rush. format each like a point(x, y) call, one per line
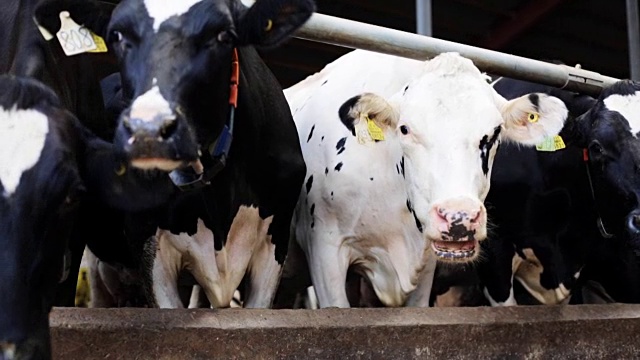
point(420, 296)
point(498, 271)
point(328, 266)
point(160, 273)
point(264, 275)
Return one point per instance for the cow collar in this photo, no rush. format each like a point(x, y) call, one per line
point(599, 223)
point(217, 152)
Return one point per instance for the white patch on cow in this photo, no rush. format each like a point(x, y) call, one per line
point(219, 273)
point(511, 300)
point(161, 10)
point(155, 164)
point(151, 105)
point(23, 134)
point(528, 273)
point(628, 106)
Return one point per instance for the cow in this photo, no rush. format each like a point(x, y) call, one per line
point(567, 215)
point(399, 155)
point(50, 166)
point(206, 112)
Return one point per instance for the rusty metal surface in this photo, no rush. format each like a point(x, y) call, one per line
point(570, 332)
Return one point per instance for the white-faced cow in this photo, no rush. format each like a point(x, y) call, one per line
point(393, 179)
point(569, 214)
point(206, 111)
point(45, 161)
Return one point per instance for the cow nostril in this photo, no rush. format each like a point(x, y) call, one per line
point(475, 216)
point(168, 129)
point(442, 214)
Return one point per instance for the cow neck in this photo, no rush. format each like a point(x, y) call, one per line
point(217, 152)
point(599, 223)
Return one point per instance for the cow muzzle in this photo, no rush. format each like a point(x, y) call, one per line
point(456, 227)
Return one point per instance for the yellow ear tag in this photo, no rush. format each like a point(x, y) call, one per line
point(375, 131)
point(551, 144)
point(533, 118)
point(83, 289)
point(101, 45)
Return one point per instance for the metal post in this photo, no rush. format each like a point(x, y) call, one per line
point(633, 31)
point(423, 17)
point(353, 34)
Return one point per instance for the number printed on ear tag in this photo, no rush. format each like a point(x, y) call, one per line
point(74, 39)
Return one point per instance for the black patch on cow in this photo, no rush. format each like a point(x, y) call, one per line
point(485, 148)
point(398, 169)
point(405, 90)
point(326, 170)
point(535, 101)
point(371, 178)
point(340, 145)
point(326, 81)
point(458, 232)
point(309, 183)
point(312, 210)
point(402, 166)
point(415, 217)
point(344, 114)
point(338, 167)
point(311, 132)
point(322, 138)
point(332, 195)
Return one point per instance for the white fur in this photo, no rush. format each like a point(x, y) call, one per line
point(628, 106)
point(511, 300)
point(248, 250)
point(162, 10)
point(23, 134)
point(449, 106)
point(150, 105)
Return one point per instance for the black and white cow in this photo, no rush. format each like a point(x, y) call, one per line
point(391, 182)
point(185, 65)
point(568, 216)
point(49, 167)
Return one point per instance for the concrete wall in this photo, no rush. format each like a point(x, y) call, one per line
point(570, 332)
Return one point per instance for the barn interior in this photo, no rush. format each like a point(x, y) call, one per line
point(592, 33)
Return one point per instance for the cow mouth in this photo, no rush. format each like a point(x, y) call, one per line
point(151, 163)
point(455, 250)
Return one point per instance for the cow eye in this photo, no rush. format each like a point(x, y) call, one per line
point(596, 151)
point(116, 36)
point(404, 129)
point(224, 37)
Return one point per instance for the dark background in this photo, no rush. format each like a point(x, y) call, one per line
point(592, 33)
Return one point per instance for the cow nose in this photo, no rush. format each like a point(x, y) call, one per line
point(7, 351)
point(633, 222)
point(159, 128)
point(459, 219)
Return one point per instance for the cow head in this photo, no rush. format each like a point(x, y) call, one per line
point(609, 132)
point(39, 190)
point(449, 122)
point(176, 61)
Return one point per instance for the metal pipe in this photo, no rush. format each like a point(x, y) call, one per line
point(423, 17)
point(633, 31)
point(353, 34)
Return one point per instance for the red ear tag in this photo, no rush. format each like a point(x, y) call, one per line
point(585, 155)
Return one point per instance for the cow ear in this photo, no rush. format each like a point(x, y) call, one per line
point(532, 118)
point(366, 107)
point(269, 22)
point(92, 14)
